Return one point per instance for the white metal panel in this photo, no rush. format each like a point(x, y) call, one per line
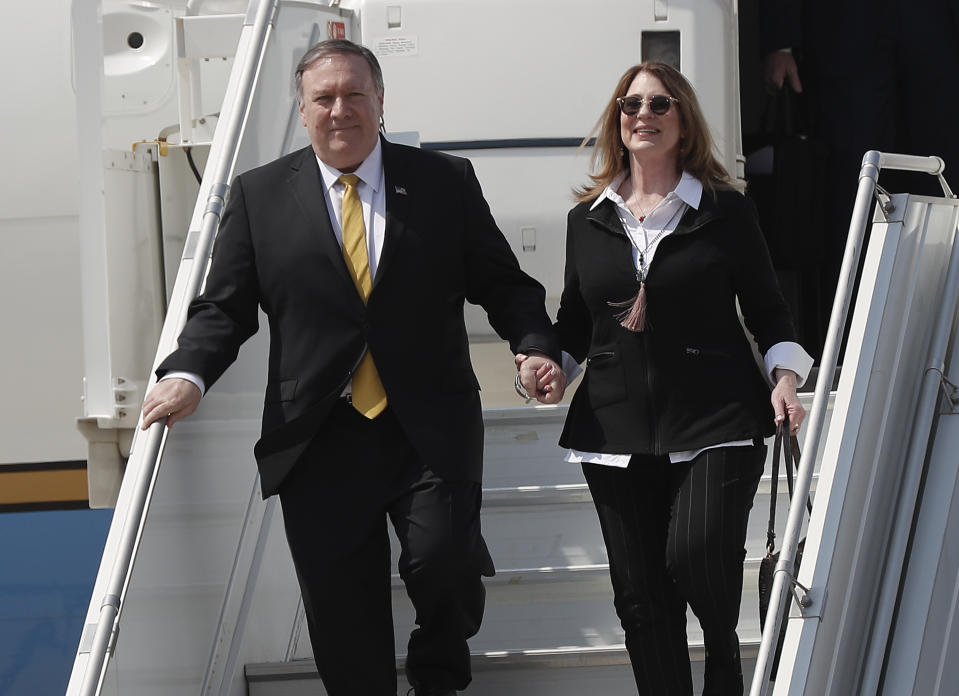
point(40, 145)
point(924, 652)
point(43, 365)
point(135, 306)
point(210, 36)
point(927, 608)
point(134, 276)
point(94, 291)
point(178, 194)
point(494, 69)
point(137, 56)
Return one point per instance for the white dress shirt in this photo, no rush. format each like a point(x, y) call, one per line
point(658, 224)
point(371, 190)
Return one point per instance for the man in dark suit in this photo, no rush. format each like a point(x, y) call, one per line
point(361, 253)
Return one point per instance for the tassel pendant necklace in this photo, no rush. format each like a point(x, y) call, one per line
point(633, 316)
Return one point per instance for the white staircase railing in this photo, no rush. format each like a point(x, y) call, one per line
point(99, 636)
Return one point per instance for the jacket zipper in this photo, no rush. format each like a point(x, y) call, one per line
point(651, 398)
point(595, 356)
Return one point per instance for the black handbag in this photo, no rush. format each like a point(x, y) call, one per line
point(767, 567)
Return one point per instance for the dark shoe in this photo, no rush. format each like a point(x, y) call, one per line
point(428, 691)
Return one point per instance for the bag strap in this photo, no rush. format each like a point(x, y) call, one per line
point(791, 460)
point(774, 490)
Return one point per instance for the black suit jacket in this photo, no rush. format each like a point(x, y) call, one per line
point(276, 249)
point(689, 380)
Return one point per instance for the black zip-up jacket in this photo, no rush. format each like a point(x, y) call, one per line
point(690, 379)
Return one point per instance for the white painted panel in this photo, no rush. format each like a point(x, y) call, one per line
point(38, 118)
point(41, 353)
point(540, 68)
point(922, 658)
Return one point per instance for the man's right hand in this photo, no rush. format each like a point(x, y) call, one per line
point(173, 399)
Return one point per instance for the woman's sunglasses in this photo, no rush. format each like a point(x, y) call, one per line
point(659, 104)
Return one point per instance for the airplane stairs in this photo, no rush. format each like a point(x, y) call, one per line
point(550, 628)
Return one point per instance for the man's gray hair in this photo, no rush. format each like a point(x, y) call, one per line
point(337, 47)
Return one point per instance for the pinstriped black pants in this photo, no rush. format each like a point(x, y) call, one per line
point(675, 536)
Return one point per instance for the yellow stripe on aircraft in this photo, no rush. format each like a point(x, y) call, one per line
point(46, 486)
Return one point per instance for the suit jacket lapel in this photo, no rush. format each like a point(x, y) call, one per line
point(397, 179)
point(307, 186)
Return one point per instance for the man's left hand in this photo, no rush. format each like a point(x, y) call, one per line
point(541, 377)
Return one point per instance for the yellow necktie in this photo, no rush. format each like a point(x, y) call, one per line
point(369, 397)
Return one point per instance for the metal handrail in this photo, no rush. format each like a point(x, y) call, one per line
point(147, 448)
point(872, 162)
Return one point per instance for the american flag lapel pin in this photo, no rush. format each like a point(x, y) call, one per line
point(400, 190)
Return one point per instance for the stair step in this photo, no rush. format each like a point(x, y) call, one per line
point(546, 609)
point(557, 672)
point(557, 526)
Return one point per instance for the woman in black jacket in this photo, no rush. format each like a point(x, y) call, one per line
point(670, 418)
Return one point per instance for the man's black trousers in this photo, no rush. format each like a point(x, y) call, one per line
point(336, 501)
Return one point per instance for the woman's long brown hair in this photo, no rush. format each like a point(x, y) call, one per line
point(696, 148)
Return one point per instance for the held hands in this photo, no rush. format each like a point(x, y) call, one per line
point(174, 399)
point(541, 377)
point(785, 400)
